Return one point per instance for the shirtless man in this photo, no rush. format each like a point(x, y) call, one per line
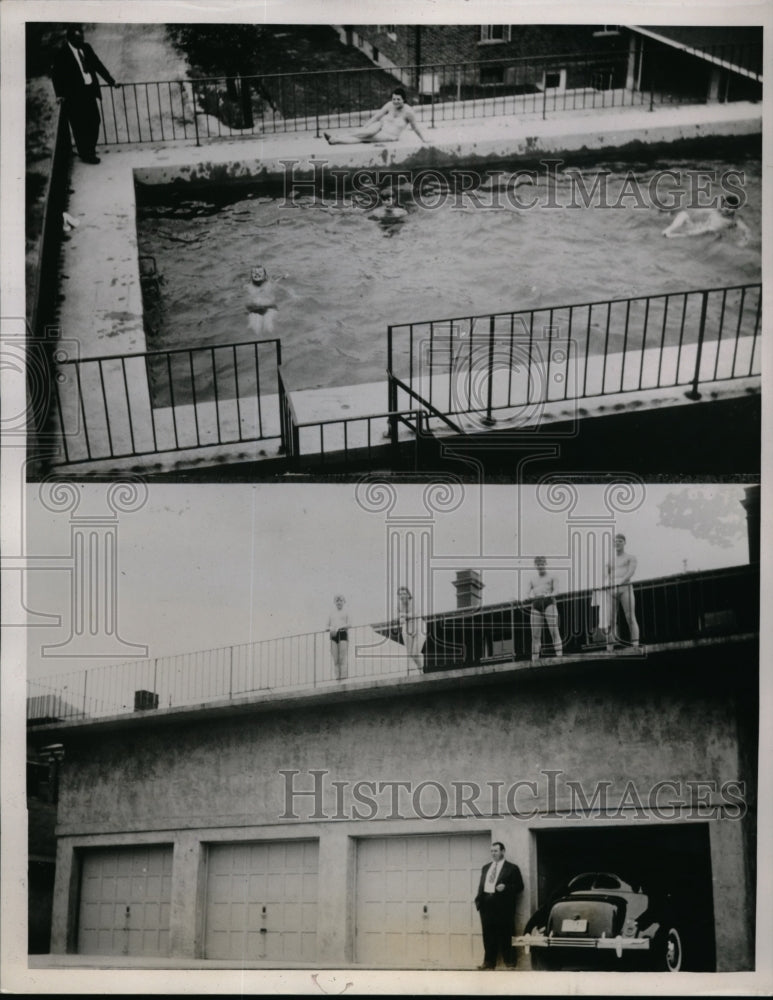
point(620, 593)
point(386, 125)
point(261, 302)
point(542, 588)
point(710, 220)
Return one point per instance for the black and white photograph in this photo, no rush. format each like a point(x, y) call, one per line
point(384, 507)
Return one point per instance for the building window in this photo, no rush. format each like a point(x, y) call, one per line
point(554, 79)
point(492, 74)
point(494, 33)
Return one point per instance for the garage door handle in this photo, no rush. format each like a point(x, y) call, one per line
point(425, 908)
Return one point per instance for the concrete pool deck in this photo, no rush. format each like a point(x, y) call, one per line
point(102, 311)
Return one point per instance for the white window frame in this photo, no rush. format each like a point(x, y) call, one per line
point(486, 30)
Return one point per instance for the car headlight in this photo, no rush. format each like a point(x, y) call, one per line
point(629, 928)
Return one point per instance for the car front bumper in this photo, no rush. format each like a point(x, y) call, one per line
point(617, 944)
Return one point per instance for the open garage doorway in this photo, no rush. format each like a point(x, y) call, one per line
point(669, 860)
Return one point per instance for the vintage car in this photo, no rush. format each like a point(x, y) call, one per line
point(599, 921)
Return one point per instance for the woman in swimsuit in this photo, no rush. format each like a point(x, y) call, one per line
point(338, 627)
point(410, 628)
point(261, 302)
point(386, 125)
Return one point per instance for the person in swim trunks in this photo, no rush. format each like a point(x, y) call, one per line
point(386, 125)
point(544, 611)
point(620, 593)
point(261, 302)
point(338, 627)
point(710, 220)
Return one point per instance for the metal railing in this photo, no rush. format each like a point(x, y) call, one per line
point(344, 442)
point(143, 404)
point(224, 107)
point(522, 360)
point(672, 609)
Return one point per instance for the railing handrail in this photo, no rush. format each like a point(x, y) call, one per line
point(175, 350)
point(648, 583)
point(684, 607)
point(575, 305)
point(352, 420)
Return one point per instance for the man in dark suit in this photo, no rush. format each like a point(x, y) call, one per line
point(500, 883)
point(74, 74)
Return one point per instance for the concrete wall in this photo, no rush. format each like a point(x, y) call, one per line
point(217, 778)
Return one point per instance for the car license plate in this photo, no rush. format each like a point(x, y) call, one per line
point(574, 926)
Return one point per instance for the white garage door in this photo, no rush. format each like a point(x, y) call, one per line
point(124, 901)
point(262, 901)
point(415, 904)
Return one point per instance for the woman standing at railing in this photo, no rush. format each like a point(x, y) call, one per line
point(338, 627)
point(410, 628)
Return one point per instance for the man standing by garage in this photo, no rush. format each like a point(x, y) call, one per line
point(500, 883)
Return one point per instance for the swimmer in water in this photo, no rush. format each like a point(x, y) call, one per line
point(386, 125)
point(389, 211)
point(710, 220)
point(261, 302)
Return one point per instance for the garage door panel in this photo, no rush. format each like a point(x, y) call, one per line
point(276, 904)
point(394, 929)
point(124, 902)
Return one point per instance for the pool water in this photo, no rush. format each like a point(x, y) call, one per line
point(346, 277)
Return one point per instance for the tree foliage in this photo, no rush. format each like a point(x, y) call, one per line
point(713, 515)
point(229, 49)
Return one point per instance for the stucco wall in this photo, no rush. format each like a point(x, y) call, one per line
point(224, 771)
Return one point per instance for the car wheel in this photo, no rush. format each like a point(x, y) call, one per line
point(670, 956)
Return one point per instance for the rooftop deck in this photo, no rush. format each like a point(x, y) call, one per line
point(688, 610)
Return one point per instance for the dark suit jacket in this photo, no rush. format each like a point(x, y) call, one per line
point(67, 77)
point(510, 877)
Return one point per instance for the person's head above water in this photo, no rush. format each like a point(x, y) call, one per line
point(258, 274)
point(729, 204)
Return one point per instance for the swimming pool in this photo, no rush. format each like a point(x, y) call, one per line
point(346, 277)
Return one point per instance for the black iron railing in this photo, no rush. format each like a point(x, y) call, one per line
point(684, 608)
point(221, 107)
point(476, 365)
point(343, 442)
point(143, 404)
point(681, 608)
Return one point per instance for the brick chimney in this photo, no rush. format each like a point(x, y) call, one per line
point(468, 587)
point(752, 505)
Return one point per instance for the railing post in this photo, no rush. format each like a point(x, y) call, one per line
point(195, 116)
point(544, 95)
point(155, 674)
point(85, 682)
point(693, 392)
point(432, 100)
point(488, 420)
point(230, 672)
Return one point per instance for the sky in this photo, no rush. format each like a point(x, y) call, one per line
point(206, 566)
